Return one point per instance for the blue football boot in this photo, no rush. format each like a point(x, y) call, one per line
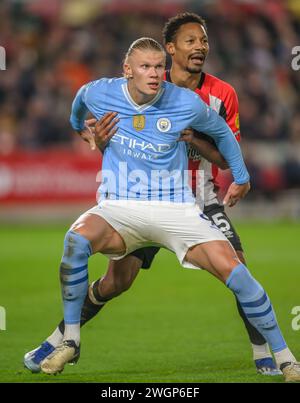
point(267, 366)
point(33, 359)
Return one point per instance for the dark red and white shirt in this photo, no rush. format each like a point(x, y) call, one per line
point(221, 97)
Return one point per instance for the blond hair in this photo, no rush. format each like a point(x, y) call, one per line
point(144, 44)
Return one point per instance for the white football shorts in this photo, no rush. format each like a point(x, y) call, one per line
point(174, 226)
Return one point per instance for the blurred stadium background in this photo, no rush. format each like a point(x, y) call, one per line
point(52, 48)
point(48, 175)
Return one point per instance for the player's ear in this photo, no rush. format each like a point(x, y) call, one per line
point(170, 48)
point(127, 70)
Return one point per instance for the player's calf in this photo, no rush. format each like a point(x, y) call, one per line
point(119, 276)
point(74, 281)
point(259, 311)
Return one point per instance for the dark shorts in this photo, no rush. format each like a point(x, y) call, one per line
point(217, 215)
point(146, 255)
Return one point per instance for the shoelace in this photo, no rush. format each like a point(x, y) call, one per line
point(62, 346)
point(293, 365)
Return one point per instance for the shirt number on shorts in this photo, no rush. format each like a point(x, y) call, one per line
point(221, 222)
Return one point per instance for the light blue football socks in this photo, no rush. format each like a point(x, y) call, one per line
point(256, 305)
point(74, 280)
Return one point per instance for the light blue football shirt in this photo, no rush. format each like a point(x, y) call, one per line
point(144, 160)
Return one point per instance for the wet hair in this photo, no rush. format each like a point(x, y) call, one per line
point(173, 24)
point(144, 44)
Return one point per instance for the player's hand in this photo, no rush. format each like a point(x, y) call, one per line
point(187, 135)
point(87, 134)
point(105, 129)
point(98, 132)
point(235, 193)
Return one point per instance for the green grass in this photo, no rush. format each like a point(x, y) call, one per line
point(174, 325)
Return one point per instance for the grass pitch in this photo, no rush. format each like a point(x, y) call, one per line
point(174, 325)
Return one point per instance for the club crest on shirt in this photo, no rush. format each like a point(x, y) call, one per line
point(163, 125)
point(139, 122)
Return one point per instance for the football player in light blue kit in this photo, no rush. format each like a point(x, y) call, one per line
point(145, 198)
point(148, 136)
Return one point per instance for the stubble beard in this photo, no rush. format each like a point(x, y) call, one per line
point(194, 70)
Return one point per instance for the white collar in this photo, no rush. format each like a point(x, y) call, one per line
point(141, 108)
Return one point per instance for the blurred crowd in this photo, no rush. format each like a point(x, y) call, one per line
point(52, 48)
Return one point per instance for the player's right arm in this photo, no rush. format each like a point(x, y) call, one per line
point(96, 133)
point(78, 118)
point(79, 110)
point(209, 122)
point(207, 149)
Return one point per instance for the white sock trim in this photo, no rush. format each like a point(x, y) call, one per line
point(72, 332)
point(284, 355)
point(55, 338)
point(261, 351)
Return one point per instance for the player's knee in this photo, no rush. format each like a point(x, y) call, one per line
point(225, 273)
point(225, 269)
point(228, 263)
point(241, 256)
point(242, 283)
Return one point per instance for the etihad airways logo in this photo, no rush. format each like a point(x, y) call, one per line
point(140, 149)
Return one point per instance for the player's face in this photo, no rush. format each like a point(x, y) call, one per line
point(190, 47)
point(145, 69)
